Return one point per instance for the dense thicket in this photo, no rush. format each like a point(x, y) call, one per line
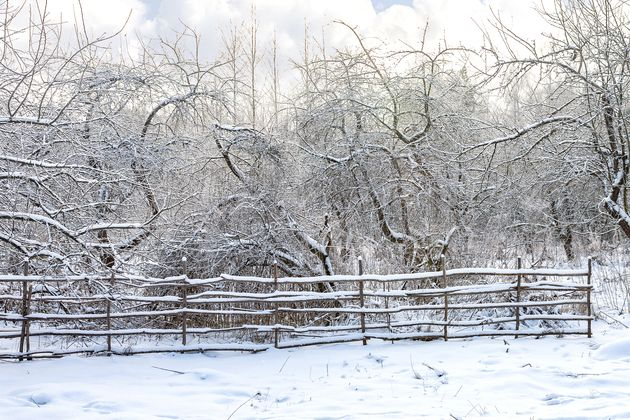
point(110, 163)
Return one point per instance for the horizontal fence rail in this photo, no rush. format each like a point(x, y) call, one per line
point(176, 280)
point(100, 314)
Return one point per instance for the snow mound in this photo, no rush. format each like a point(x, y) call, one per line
point(617, 350)
point(40, 398)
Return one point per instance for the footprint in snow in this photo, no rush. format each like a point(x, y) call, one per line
point(102, 407)
point(377, 359)
point(489, 361)
point(555, 399)
point(205, 374)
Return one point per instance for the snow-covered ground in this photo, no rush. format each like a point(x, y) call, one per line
point(570, 377)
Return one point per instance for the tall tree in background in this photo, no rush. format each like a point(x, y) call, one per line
point(86, 143)
point(580, 123)
point(386, 129)
point(133, 162)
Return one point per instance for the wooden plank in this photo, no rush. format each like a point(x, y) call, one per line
point(276, 339)
point(15, 333)
point(249, 311)
point(304, 297)
point(362, 301)
point(270, 312)
point(112, 280)
point(176, 280)
point(517, 310)
point(184, 292)
point(444, 286)
point(24, 334)
point(588, 298)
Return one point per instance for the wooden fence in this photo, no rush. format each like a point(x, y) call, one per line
point(106, 314)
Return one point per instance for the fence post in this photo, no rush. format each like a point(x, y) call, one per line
point(588, 297)
point(26, 297)
point(362, 301)
point(109, 316)
point(444, 284)
point(184, 304)
point(519, 263)
point(276, 337)
point(109, 326)
point(388, 315)
point(184, 294)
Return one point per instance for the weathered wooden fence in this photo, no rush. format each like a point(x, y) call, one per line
point(101, 314)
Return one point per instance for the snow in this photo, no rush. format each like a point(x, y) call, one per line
point(618, 350)
point(525, 130)
point(415, 276)
point(149, 281)
point(617, 209)
point(44, 164)
point(501, 378)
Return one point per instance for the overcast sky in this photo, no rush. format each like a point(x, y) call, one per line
point(390, 20)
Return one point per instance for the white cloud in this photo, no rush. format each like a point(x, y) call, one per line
point(456, 20)
point(100, 16)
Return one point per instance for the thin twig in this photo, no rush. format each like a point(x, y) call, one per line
point(285, 362)
point(613, 318)
point(438, 372)
point(258, 394)
point(169, 370)
point(413, 369)
point(460, 388)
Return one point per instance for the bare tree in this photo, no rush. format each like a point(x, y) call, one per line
point(580, 124)
point(386, 127)
point(86, 143)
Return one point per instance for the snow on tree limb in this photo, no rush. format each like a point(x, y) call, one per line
point(522, 131)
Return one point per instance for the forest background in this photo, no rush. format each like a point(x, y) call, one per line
point(129, 154)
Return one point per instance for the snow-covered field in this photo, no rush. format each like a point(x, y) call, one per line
point(566, 377)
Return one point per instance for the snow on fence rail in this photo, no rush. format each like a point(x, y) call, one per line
point(256, 313)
